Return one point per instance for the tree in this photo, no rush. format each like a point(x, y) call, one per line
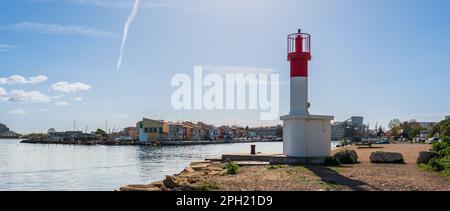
point(442, 128)
point(100, 132)
point(395, 126)
point(394, 123)
point(380, 132)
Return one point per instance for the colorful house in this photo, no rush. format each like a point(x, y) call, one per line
point(225, 133)
point(207, 132)
point(152, 130)
point(191, 131)
point(176, 132)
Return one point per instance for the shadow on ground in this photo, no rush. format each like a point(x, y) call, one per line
point(331, 176)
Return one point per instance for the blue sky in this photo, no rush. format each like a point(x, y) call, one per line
point(379, 59)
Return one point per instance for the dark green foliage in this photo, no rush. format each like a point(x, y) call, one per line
point(445, 139)
point(436, 164)
point(439, 146)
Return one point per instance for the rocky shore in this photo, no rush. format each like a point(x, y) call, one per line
point(378, 174)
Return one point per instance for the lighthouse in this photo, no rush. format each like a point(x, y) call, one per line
point(304, 135)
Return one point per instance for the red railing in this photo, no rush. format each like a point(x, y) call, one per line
point(303, 47)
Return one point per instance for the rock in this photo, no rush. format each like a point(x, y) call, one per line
point(185, 188)
point(194, 179)
point(425, 157)
point(140, 188)
point(175, 182)
point(346, 156)
point(386, 157)
point(214, 173)
point(223, 172)
point(189, 170)
point(159, 184)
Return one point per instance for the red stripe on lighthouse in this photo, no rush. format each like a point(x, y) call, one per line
point(299, 67)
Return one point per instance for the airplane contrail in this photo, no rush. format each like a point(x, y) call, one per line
point(125, 30)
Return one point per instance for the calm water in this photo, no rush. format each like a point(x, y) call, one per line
point(65, 167)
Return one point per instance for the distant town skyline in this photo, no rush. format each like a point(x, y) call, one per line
point(59, 59)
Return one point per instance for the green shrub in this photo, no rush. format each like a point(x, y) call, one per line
point(332, 161)
point(232, 167)
point(438, 146)
point(436, 164)
point(445, 139)
point(446, 162)
point(445, 152)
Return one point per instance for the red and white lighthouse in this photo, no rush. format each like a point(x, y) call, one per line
point(304, 135)
point(299, 55)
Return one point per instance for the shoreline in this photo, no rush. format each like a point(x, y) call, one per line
point(123, 143)
point(210, 175)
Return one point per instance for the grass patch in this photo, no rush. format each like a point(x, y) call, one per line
point(425, 167)
point(275, 167)
point(232, 167)
point(304, 179)
point(301, 169)
point(329, 185)
point(338, 170)
point(209, 187)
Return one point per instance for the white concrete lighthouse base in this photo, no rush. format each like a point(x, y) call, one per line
point(307, 136)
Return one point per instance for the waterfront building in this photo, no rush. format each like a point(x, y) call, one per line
point(130, 132)
point(352, 128)
point(225, 133)
point(207, 132)
point(152, 130)
point(275, 131)
point(176, 132)
point(191, 132)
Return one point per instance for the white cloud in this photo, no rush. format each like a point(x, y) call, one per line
point(64, 104)
point(78, 99)
point(18, 111)
point(17, 79)
point(2, 92)
point(45, 28)
point(44, 109)
point(27, 97)
point(64, 86)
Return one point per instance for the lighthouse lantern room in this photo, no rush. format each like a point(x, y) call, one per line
point(304, 135)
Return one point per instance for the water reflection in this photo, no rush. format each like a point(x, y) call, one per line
point(64, 167)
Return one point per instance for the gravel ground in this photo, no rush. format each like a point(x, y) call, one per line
point(363, 176)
